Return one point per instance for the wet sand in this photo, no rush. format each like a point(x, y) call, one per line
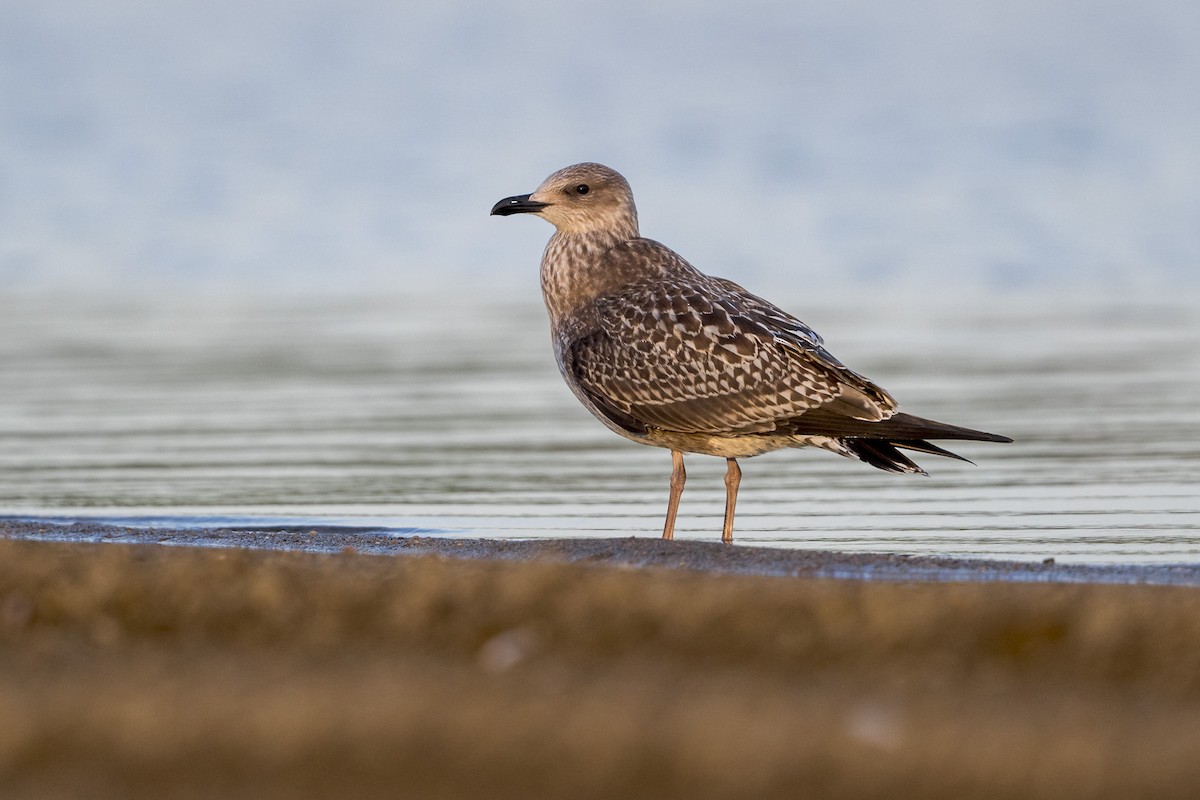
point(644, 551)
point(627, 668)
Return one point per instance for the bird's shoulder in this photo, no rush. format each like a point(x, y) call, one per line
point(657, 282)
point(698, 308)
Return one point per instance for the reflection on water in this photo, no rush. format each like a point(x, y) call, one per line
point(447, 414)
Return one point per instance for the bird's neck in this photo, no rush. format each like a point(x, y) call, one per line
point(574, 270)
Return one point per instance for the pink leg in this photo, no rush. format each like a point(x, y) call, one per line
point(678, 477)
point(733, 477)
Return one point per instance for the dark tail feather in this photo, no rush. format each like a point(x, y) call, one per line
point(922, 446)
point(910, 428)
point(883, 455)
point(876, 442)
point(897, 428)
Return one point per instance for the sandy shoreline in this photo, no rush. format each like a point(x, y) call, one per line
point(644, 551)
point(132, 670)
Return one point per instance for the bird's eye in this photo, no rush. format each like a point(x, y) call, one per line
point(582, 189)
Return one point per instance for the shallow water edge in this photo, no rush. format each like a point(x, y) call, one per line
point(637, 552)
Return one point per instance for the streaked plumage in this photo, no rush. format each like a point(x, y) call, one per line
point(665, 355)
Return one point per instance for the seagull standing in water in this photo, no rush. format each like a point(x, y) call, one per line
point(667, 356)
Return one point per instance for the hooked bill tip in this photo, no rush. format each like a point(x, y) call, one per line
point(518, 204)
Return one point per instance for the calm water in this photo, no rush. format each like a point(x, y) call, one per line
point(446, 414)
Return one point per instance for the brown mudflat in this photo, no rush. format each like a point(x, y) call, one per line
point(146, 671)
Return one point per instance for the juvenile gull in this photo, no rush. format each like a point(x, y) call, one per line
point(665, 355)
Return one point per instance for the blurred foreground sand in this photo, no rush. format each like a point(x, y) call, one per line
point(132, 671)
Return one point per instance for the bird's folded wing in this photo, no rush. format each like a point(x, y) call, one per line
point(710, 358)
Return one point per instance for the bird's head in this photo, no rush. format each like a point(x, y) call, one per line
point(580, 199)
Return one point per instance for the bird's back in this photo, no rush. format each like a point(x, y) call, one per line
point(672, 348)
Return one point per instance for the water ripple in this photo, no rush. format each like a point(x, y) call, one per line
point(379, 414)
